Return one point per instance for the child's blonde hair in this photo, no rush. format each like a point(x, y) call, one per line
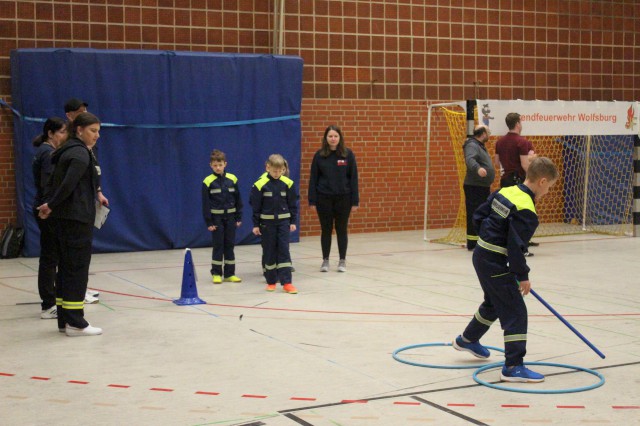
point(542, 167)
point(276, 161)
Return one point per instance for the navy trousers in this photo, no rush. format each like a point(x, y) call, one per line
point(224, 240)
point(502, 300)
point(275, 251)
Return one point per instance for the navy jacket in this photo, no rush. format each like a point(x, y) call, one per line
point(506, 223)
point(220, 196)
point(334, 175)
point(273, 199)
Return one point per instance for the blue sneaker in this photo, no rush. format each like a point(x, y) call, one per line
point(520, 374)
point(476, 348)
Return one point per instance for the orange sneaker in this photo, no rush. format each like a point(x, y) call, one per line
point(289, 288)
point(271, 287)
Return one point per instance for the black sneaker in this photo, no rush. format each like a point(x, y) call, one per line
point(528, 254)
point(533, 244)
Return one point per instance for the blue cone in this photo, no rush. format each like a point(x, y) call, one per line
point(189, 295)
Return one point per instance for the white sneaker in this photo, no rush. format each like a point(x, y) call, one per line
point(89, 299)
point(342, 265)
point(93, 293)
point(87, 331)
point(51, 313)
point(325, 266)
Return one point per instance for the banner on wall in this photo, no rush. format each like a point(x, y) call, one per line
point(550, 118)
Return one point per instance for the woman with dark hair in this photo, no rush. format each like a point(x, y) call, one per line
point(333, 192)
point(70, 201)
point(54, 133)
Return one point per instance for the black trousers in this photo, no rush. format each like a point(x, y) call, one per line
point(47, 264)
point(502, 300)
point(334, 210)
point(224, 240)
point(275, 251)
point(73, 241)
point(473, 197)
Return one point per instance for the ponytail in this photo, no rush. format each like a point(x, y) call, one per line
point(53, 124)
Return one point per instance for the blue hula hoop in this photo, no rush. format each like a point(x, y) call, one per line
point(426, 345)
point(539, 391)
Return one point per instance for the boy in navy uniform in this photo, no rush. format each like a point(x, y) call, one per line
point(274, 202)
point(222, 211)
point(505, 223)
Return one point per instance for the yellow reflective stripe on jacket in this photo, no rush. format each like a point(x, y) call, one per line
point(472, 237)
point(518, 197)
point(72, 305)
point(515, 338)
point(492, 247)
point(261, 182)
point(265, 178)
point(286, 180)
point(207, 181)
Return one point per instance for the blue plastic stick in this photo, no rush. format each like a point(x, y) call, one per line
point(553, 311)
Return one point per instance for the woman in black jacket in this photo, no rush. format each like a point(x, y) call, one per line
point(70, 201)
point(333, 192)
point(54, 133)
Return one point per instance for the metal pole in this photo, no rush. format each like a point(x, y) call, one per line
point(426, 186)
point(587, 166)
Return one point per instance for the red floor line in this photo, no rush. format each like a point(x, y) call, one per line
point(119, 386)
point(625, 407)
point(461, 405)
point(7, 374)
point(514, 406)
point(78, 382)
point(299, 398)
point(161, 389)
point(40, 378)
point(207, 393)
point(253, 396)
point(397, 314)
point(354, 401)
point(406, 403)
point(570, 406)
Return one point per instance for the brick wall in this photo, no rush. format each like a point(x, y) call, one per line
point(369, 67)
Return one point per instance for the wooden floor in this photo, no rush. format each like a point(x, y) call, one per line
point(323, 356)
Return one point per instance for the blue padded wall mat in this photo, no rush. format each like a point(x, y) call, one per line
point(162, 113)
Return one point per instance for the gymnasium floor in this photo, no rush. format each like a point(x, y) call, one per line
point(323, 356)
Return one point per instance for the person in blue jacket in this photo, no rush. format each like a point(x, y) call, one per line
point(222, 212)
point(274, 202)
point(505, 224)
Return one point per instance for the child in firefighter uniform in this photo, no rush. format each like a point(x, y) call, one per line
point(274, 202)
point(505, 223)
point(222, 211)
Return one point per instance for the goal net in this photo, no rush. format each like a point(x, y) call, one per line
point(592, 150)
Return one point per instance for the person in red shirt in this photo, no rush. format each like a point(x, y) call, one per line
point(513, 156)
point(513, 153)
